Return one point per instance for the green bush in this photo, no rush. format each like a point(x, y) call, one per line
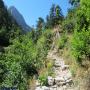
point(81, 45)
point(43, 79)
point(61, 42)
point(23, 59)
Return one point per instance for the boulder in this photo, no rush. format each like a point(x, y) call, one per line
point(38, 88)
point(59, 81)
point(65, 67)
point(68, 76)
point(54, 87)
point(69, 81)
point(42, 88)
point(57, 63)
point(37, 83)
point(50, 81)
point(45, 88)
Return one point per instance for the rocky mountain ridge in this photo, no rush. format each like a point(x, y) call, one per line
point(19, 19)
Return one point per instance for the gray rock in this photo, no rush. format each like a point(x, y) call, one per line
point(57, 63)
point(68, 76)
point(59, 81)
point(38, 88)
point(37, 83)
point(42, 88)
point(59, 88)
point(45, 88)
point(50, 81)
point(64, 87)
point(63, 77)
point(69, 80)
point(64, 67)
point(51, 88)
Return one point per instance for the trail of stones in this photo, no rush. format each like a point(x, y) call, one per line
point(63, 77)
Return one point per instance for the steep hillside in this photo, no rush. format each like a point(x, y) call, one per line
point(9, 29)
point(53, 56)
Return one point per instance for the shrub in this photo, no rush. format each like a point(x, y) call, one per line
point(61, 42)
point(81, 45)
point(24, 58)
point(43, 78)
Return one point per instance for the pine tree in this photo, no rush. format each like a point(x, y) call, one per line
point(39, 26)
point(52, 16)
point(47, 21)
point(55, 16)
point(59, 15)
point(52, 11)
point(40, 23)
point(74, 2)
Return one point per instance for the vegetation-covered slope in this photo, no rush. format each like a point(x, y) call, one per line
point(25, 55)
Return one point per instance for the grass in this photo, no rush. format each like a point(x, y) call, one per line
point(81, 74)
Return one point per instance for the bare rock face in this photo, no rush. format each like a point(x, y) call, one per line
point(19, 19)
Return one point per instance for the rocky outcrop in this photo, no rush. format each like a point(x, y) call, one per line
point(63, 77)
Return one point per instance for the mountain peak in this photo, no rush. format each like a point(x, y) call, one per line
point(12, 7)
point(19, 18)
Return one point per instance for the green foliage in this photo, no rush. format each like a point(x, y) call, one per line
point(61, 42)
point(69, 22)
point(40, 23)
point(74, 2)
point(48, 35)
point(23, 59)
point(80, 42)
point(43, 79)
point(55, 17)
point(3, 69)
point(81, 45)
point(83, 16)
point(50, 68)
point(26, 55)
point(9, 29)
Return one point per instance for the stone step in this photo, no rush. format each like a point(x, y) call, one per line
point(59, 63)
point(63, 76)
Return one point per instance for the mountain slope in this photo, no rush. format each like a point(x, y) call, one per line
point(19, 18)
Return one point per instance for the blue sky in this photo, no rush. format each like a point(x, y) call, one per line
point(32, 9)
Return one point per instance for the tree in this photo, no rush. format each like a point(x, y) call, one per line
point(59, 15)
point(55, 16)
point(70, 21)
point(23, 59)
point(40, 23)
point(47, 24)
point(9, 29)
point(74, 2)
point(39, 27)
point(81, 45)
point(52, 11)
point(52, 15)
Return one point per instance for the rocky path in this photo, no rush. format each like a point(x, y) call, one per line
point(63, 77)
